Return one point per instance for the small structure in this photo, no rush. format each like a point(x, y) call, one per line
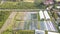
point(41, 15)
point(49, 8)
point(46, 15)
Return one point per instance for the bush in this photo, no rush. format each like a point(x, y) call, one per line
point(40, 5)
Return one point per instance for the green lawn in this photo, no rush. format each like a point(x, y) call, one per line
point(3, 16)
point(25, 32)
point(20, 5)
point(7, 32)
point(19, 32)
point(38, 17)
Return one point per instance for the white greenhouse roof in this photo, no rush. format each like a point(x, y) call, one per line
point(41, 14)
point(46, 15)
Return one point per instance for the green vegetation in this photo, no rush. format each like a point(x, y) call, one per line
point(7, 32)
point(19, 32)
point(54, 21)
point(54, 6)
point(27, 25)
point(21, 5)
point(46, 32)
point(38, 17)
point(39, 4)
point(8, 5)
point(25, 32)
point(54, 15)
point(0, 1)
point(39, 21)
point(38, 26)
point(3, 16)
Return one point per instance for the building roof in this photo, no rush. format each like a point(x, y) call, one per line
point(41, 14)
point(46, 15)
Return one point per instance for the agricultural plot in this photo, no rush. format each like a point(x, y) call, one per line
point(27, 21)
point(31, 21)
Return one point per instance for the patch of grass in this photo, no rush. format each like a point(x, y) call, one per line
point(46, 32)
point(38, 26)
point(7, 32)
point(20, 5)
point(26, 32)
point(19, 32)
point(3, 16)
point(38, 17)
